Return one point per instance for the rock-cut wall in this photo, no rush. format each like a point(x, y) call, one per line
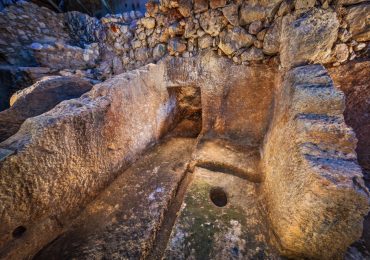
point(78, 148)
point(313, 185)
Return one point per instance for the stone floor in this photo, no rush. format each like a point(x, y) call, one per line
point(169, 205)
point(122, 222)
point(219, 219)
point(158, 209)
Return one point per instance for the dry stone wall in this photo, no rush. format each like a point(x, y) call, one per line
point(244, 31)
point(23, 24)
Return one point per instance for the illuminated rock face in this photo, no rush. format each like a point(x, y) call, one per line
point(248, 133)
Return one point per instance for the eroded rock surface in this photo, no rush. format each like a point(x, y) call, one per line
point(308, 37)
point(123, 221)
point(234, 229)
point(315, 179)
point(132, 108)
point(353, 79)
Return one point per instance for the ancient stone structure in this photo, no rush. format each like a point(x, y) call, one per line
point(214, 130)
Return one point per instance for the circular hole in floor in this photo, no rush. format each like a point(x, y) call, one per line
point(218, 197)
point(19, 231)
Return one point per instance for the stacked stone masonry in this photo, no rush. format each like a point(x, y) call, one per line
point(245, 31)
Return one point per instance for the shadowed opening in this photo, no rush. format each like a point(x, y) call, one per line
point(218, 197)
point(19, 231)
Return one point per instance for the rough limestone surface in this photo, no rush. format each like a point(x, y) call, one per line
point(313, 185)
point(307, 37)
point(206, 231)
point(353, 79)
point(122, 221)
point(37, 99)
point(358, 21)
point(95, 135)
point(252, 11)
point(233, 40)
point(230, 107)
point(271, 40)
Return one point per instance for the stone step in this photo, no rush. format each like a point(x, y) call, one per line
point(310, 74)
point(317, 99)
point(317, 150)
point(226, 156)
point(337, 172)
point(328, 132)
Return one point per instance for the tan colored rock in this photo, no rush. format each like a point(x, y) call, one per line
point(164, 36)
point(350, 2)
point(176, 29)
point(341, 52)
point(212, 22)
point(152, 8)
point(252, 11)
point(255, 27)
point(142, 54)
point(271, 40)
point(344, 35)
point(205, 42)
point(233, 40)
point(358, 18)
point(217, 3)
point(190, 28)
point(230, 108)
point(200, 6)
point(252, 54)
point(261, 35)
point(308, 38)
point(79, 147)
point(231, 13)
point(313, 184)
point(285, 8)
point(353, 79)
point(185, 7)
point(37, 99)
point(148, 22)
point(304, 4)
point(176, 45)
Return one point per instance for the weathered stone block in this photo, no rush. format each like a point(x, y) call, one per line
point(200, 6)
point(358, 18)
point(307, 37)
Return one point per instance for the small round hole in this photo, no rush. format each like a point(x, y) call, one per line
point(218, 197)
point(19, 231)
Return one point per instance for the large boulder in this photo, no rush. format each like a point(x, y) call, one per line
point(37, 99)
point(358, 18)
point(308, 37)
